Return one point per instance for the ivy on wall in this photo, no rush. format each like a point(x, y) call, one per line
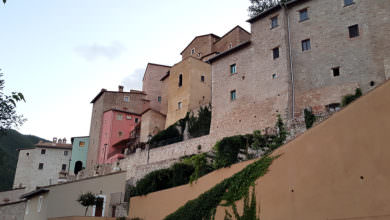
point(249, 212)
point(310, 118)
point(351, 97)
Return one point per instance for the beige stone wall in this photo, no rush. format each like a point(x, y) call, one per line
point(152, 85)
point(13, 211)
point(193, 93)
point(151, 123)
point(32, 212)
point(11, 195)
point(202, 44)
point(109, 100)
point(336, 170)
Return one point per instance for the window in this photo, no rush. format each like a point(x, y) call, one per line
point(180, 80)
point(40, 201)
point(66, 153)
point(120, 133)
point(303, 15)
point(274, 22)
point(230, 45)
point(159, 99)
point(179, 105)
point(372, 83)
point(192, 51)
point(27, 154)
point(81, 144)
point(40, 166)
point(43, 151)
point(333, 107)
point(63, 167)
point(128, 117)
point(136, 120)
point(275, 52)
point(306, 45)
point(232, 95)
point(202, 78)
point(119, 117)
point(353, 31)
point(126, 99)
point(336, 71)
point(199, 54)
point(348, 2)
point(274, 76)
point(233, 69)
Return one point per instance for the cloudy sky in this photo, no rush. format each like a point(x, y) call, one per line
point(60, 54)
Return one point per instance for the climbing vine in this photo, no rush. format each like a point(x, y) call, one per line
point(310, 118)
point(351, 97)
point(249, 212)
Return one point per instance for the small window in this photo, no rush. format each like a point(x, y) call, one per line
point(348, 2)
point(232, 95)
point(43, 151)
point(136, 120)
point(353, 31)
point(336, 71)
point(199, 54)
point(179, 105)
point(27, 154)
point(120, 133)
point(230, 45)
point(81, 144)
point(275, 52)
point(126, 99)
point(63, 167)
point(333, 107)
point(119, 117)
point(159, 99)
point(233, 69)
point(274, 76)
point(192, 51)
point(180, 80)
point(274, 22)
point(303, 15)
point(306, 45)
point(66, 153)
point(128, 117)
point(40, 166)
point(372, 83)
point(202, 78)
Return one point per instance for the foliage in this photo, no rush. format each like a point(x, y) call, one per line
point(310, 118)
point(4, 1)
point(350, 98)
point(178, 174)
point(249, 212)
point(231, 189)
point(87, 199)
point(259, 6)
point(167, 136)
point(8, 116)
point(201, 165)
point(9, 155)
point(200, 125)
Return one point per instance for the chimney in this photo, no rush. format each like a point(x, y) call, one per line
point(60, 141)
point(54, 140)
point(64, 140)
point(120, 88)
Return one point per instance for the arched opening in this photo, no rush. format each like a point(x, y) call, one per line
point(77, 167)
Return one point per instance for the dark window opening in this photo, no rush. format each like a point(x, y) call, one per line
point(233, 69)
point(27, 154)
point(333, 107)
point(274, 22)
point(159, 99)
point(306, 45)
point(275, 52)
point(136, 120)
point(233, 95)
point(372, 83)
point(336, 71)
point(348, 2)
point(40, 167)
point(180, 80)
point(43, 151)
point(78, 166)
point(274, 76)
point(353, 31)
point(63, 168)
point(66, 153)
point(202, 78)
point(303, 15)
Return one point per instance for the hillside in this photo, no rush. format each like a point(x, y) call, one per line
point(9, 156)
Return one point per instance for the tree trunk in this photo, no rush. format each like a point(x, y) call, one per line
point(86, 210)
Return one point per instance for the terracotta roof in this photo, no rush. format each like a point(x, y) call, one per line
point(232, 50)
point(205, 35)
point(137, 92)
point(123, 111)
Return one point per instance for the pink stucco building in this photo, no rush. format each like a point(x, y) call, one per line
point(117, 127)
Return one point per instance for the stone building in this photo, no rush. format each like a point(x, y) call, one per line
point(79, 154)
point(303, 54)
point(45, 164)
point(132, 101)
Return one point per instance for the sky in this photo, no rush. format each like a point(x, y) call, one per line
point(60, 54)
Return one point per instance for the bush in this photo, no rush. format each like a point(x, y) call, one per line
point(350, 98)
point(168, 136)
point(310, 118)
point(227, 150)
point(200, 125)
point(201, 165)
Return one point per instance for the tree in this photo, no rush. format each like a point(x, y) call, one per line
point(259, 6)
point(4, 1)
point(87, 199)
point(8, 116)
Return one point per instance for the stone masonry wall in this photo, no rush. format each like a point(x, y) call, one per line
point(13, 211)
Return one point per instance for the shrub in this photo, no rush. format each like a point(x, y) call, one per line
point(310, 118)
point(201, 165)
point(350, 98)
point(87, 199)
point(227, 150)
point(200, 125)
point(168, 136)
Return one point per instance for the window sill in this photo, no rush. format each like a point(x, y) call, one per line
point(274, 27)
point(306, 19)
point(349, 4)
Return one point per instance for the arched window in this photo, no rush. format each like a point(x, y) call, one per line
point(180, 80)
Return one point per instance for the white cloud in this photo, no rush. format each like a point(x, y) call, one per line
point(94, 51)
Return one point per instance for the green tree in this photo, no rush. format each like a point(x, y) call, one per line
point(87, 199)
point(8, 116)
point(259, 6)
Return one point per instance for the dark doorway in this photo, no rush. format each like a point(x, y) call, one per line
point(113, 211)
point(99, 207)
point(77, 167)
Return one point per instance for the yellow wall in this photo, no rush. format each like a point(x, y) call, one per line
point(336, 170)
point(192, 90)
